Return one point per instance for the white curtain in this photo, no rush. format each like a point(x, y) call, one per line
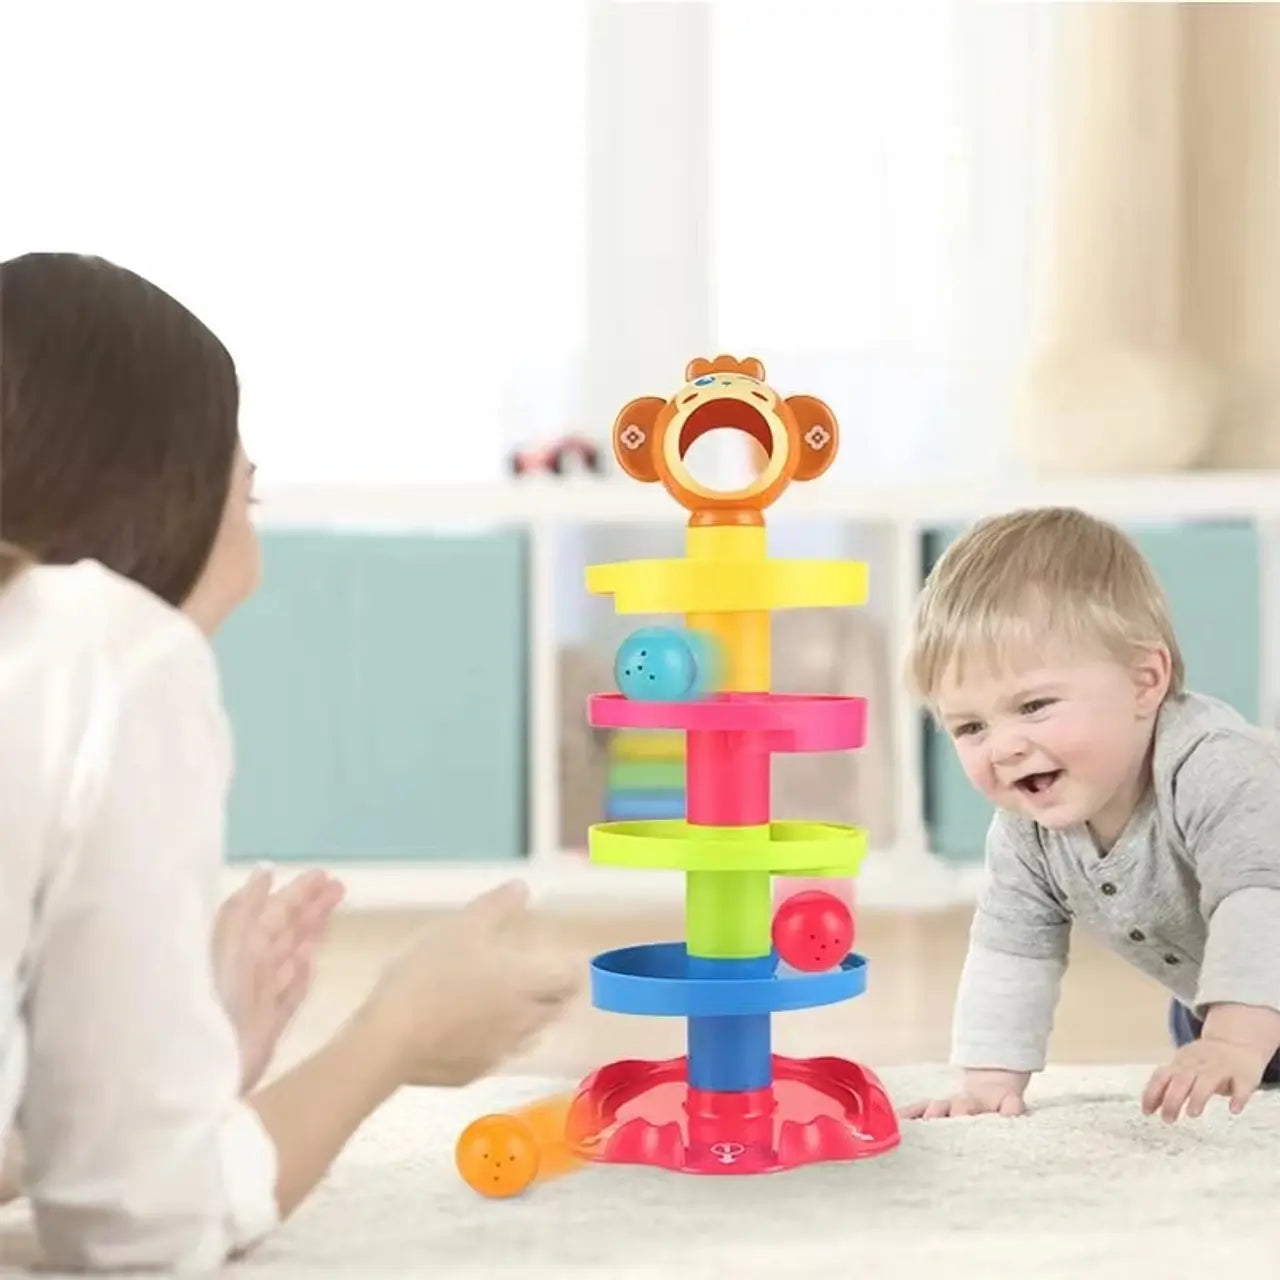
point(878, 198)
point(380, 209)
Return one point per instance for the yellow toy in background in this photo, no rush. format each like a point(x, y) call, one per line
point(645, 777)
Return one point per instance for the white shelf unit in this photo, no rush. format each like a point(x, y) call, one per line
point(904, 875)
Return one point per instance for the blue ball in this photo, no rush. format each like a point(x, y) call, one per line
point(660, 664)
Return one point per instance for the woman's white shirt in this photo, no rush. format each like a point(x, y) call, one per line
point(120, 1068)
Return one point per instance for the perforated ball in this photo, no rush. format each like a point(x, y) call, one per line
point(813, 931)
point(656, 664)
point(497, 1156)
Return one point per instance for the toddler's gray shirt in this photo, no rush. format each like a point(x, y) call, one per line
point(1190, 893)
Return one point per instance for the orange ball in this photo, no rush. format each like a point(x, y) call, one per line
point(497, 1156)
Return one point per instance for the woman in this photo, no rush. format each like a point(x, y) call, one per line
point(129, 1049)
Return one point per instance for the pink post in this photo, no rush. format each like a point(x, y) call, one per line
point(727, 779)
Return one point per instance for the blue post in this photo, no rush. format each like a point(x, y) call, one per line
point(730, 1054)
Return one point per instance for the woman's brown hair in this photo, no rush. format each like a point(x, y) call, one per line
point(118, 423)
point(12, 561)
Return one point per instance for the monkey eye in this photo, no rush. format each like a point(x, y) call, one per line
point(704, 380)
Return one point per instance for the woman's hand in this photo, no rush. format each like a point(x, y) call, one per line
point(472, 988)
point(264, 947)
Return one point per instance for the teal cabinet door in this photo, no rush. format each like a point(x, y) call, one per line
point(376, 687)
point(1211, 574)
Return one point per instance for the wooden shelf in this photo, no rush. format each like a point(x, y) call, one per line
point(906, 877)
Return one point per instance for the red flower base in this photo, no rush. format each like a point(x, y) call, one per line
point(816, 1110)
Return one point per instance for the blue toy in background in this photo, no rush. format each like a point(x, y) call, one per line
point(667, 664)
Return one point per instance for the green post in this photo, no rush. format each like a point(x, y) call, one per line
point(729, 914)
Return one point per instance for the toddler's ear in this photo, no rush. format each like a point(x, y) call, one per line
point(1152, 669)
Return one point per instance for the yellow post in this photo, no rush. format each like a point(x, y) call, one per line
point(743, 638)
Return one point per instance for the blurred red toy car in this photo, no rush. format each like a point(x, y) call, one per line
point(571, 455)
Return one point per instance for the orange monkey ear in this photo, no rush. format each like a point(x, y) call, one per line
point(819, 435)
point(633, 438)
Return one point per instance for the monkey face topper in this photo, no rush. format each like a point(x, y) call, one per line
point(798, 437)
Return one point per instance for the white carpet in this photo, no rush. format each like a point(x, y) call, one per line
point(1085, 1188)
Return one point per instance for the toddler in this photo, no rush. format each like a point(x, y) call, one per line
point(1125, 802)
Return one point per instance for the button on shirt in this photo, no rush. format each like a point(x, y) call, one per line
point(1189, 894)
point(118, 1065)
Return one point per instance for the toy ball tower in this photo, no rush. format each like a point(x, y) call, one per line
point(730, 1105)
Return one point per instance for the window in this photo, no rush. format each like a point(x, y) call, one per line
point(379, 209)
point(876, 198)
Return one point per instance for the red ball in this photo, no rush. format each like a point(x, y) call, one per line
point(813, 931)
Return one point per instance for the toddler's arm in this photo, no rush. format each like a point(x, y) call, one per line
point(1227, 810)
point(1011, 979)
point(1227, 801)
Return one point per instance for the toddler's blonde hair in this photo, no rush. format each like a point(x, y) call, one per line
point(1033, 581)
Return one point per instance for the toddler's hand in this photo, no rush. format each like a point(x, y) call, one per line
point(980, 1093)
point(472, 988)
point(264, 946)
point(1201, 1070)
